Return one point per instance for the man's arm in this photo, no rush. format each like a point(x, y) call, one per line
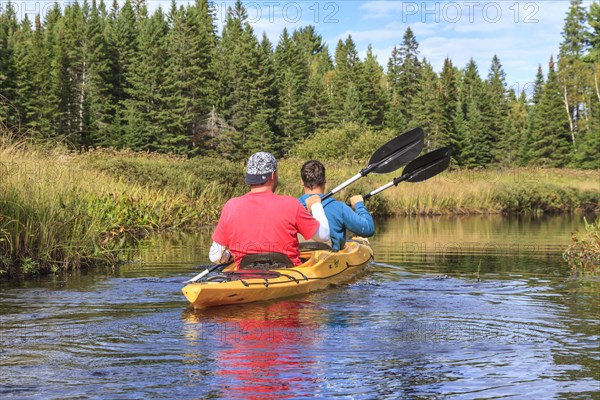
point(314, 206)
point(219, 253)
point(322, 234)
point(359, 221)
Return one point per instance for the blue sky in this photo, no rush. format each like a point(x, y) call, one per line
point(522, 33)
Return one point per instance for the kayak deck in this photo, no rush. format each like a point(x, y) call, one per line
point(320, 269)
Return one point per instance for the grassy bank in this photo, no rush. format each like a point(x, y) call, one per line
point(526, 190)
point(60, 210)
point(583, 255)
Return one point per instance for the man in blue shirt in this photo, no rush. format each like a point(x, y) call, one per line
point(339, 215)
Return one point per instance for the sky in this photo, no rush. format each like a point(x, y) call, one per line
point(522, 33)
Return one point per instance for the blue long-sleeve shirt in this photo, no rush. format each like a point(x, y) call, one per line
point(341, 217)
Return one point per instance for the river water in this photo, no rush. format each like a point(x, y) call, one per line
point(465, 308)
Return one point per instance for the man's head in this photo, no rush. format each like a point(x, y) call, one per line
point(260, 168)
point(313, 174)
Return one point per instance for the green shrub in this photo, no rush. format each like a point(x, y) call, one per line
point(549, 198)
point(348, 142)
point(175, 174)
point(583, 255)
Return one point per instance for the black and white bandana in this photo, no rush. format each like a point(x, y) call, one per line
point(260, 166)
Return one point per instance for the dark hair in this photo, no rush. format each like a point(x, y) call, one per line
point(313, 174)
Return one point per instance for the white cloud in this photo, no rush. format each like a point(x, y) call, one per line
point(519, 62)
point(522, 34)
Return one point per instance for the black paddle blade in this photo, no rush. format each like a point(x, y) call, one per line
point(397, 152)
point(427, 166)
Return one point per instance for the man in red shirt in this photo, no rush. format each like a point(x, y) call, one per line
point(262, 222)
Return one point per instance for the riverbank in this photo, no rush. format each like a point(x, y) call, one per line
point(508, 191)
point(61, 210)
point(583, 255)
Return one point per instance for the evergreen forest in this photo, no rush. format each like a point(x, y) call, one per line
point(99, 75)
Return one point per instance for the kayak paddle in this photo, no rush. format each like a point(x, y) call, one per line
point(208, 270)
point(389, 157)
point(420, 169)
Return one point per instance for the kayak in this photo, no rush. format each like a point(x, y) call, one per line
point(320, 269)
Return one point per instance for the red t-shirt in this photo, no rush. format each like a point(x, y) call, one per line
point(264, 222)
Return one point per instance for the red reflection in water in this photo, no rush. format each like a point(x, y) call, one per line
point(262, 349)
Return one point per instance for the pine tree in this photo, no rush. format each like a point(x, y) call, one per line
point(235, 72)
point(352, 107)
point(263, 103)
point(427, 107)
point(449, 101)
point(494, 110)
point(342, 78)
point(474, 129)
point(475, 147)
point(403, 73)
point(515, 129)
point(45, 118)
point(24, 76)
point(538, 87)
point(192, 49)
point(9, 114)
point(550, 138)
point(70, 71)
point(571, 68)
point(153, 123)
point(98, 85)
point(593, 35)
point(574, 32)
point(394, 117)
point(525, 156)
point(349, 83)
point(409, 73)
point(313, 64)
point(291, 73)
point(588, 147)
point(122, 40)
point(471, 83)
point(374, 100)
point(317, 98)
point(461, 143)
point(245, 87)
point(310, 44)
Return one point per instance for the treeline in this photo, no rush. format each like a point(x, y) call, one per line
point(98, 75)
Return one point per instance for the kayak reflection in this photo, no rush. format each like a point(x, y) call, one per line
point(258, 350)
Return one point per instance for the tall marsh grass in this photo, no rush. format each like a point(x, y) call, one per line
point(521, 190)
point(583, 255)
point(62, 210)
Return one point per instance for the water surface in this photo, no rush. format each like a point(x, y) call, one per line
point(473, 307)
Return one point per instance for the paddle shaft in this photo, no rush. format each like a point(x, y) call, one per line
point(388, 185)
point(343, 185)
point(207, 271)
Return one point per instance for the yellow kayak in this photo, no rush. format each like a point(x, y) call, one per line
point(320, 269)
